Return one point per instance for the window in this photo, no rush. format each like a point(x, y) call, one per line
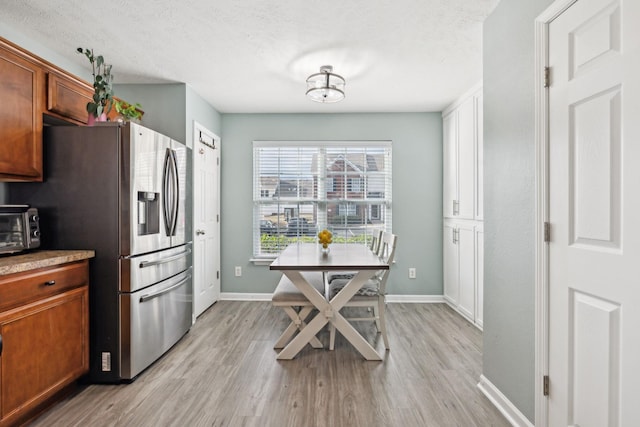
point(354, 185)
point(303, 187)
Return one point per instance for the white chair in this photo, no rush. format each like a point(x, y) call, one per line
point(296, 305)
point(372, 294)
point(374, 246)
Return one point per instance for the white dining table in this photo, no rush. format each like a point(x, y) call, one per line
point(299, 257)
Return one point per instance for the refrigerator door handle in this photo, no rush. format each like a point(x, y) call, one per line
point(175, 193)
point(166, 213)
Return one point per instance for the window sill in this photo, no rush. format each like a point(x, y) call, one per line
point(262, 261)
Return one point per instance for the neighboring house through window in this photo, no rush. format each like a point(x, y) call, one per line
point(303, 187)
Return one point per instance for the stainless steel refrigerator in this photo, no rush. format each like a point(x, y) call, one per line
point(123, 190)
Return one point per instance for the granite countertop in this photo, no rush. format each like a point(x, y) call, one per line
point(38, 259)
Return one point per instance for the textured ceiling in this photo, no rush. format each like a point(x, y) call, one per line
point(253, 56)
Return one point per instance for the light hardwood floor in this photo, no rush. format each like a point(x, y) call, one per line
point(224, 372)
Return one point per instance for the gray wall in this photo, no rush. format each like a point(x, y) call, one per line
point(417, 189)
point(202, 112)
point(164, 106)
point(509, 180)
point(171, 108)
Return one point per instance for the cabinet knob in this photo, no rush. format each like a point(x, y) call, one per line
point(50, 283)
point(199, 232)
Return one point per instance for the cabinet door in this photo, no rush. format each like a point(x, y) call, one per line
point(68, 97)
point(449, 164)
point(467, 274)
point(466, 159)
point(479, 275)
point(45, 347)
point(21, 94)
point(450, 264)
point(479, 205)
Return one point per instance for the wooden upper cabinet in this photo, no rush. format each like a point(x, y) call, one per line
point(31, 87)
point(21, 94)
point(68, 97)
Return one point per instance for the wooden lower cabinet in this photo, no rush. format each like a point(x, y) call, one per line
point(45, 342)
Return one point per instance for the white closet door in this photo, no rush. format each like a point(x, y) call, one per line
point(479, 145)
point(467, 274)
point(479, 275)
point(466, 159)
point(449, 164)
point(450, 264)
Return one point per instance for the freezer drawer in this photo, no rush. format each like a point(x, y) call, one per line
point(152, 320)
point(141, 271)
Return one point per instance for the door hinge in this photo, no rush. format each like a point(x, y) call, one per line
point(218, 161)
point(547, 77)
point(217, 217)
point(547, 232)
point(545, 385)
point(218, 274)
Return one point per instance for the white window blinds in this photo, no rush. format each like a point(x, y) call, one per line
point(300, 188)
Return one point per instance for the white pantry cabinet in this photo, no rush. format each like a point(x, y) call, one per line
point(462, 158)
point(479, 253)
point(460, 272)
point(463, 234)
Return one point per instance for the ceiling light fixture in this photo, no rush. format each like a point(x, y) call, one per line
point(325, 86)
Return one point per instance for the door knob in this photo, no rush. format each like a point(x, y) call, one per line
point(199, 232)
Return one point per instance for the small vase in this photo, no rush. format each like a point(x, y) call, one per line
point(91, 119)
point(325, 250)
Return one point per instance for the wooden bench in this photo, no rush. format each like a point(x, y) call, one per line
point(296, 305)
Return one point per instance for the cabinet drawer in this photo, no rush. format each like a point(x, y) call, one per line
point(22, 288)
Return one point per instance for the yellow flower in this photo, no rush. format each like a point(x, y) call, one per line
point(324, 237)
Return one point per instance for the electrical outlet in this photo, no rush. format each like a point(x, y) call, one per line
point(238, 271)
point(412, 273)
point(106, 361)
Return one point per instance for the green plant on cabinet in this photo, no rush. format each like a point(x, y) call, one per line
point(102, 84)
point(128, 111)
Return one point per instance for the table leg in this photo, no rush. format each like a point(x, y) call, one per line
point(342, 325)
point(354, 337)
point(298, 322)
point(305, 335)
point(308, 333)
point(329, 311)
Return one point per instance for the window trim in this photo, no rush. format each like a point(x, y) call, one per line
point(384, 204)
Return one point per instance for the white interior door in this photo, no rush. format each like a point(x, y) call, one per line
point(206, 222)
point(594, 211)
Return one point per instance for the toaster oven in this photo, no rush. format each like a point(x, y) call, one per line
point(19, 228)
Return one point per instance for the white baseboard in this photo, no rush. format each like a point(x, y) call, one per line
point(421, 299)
point(504, 405)
point(241, 296)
